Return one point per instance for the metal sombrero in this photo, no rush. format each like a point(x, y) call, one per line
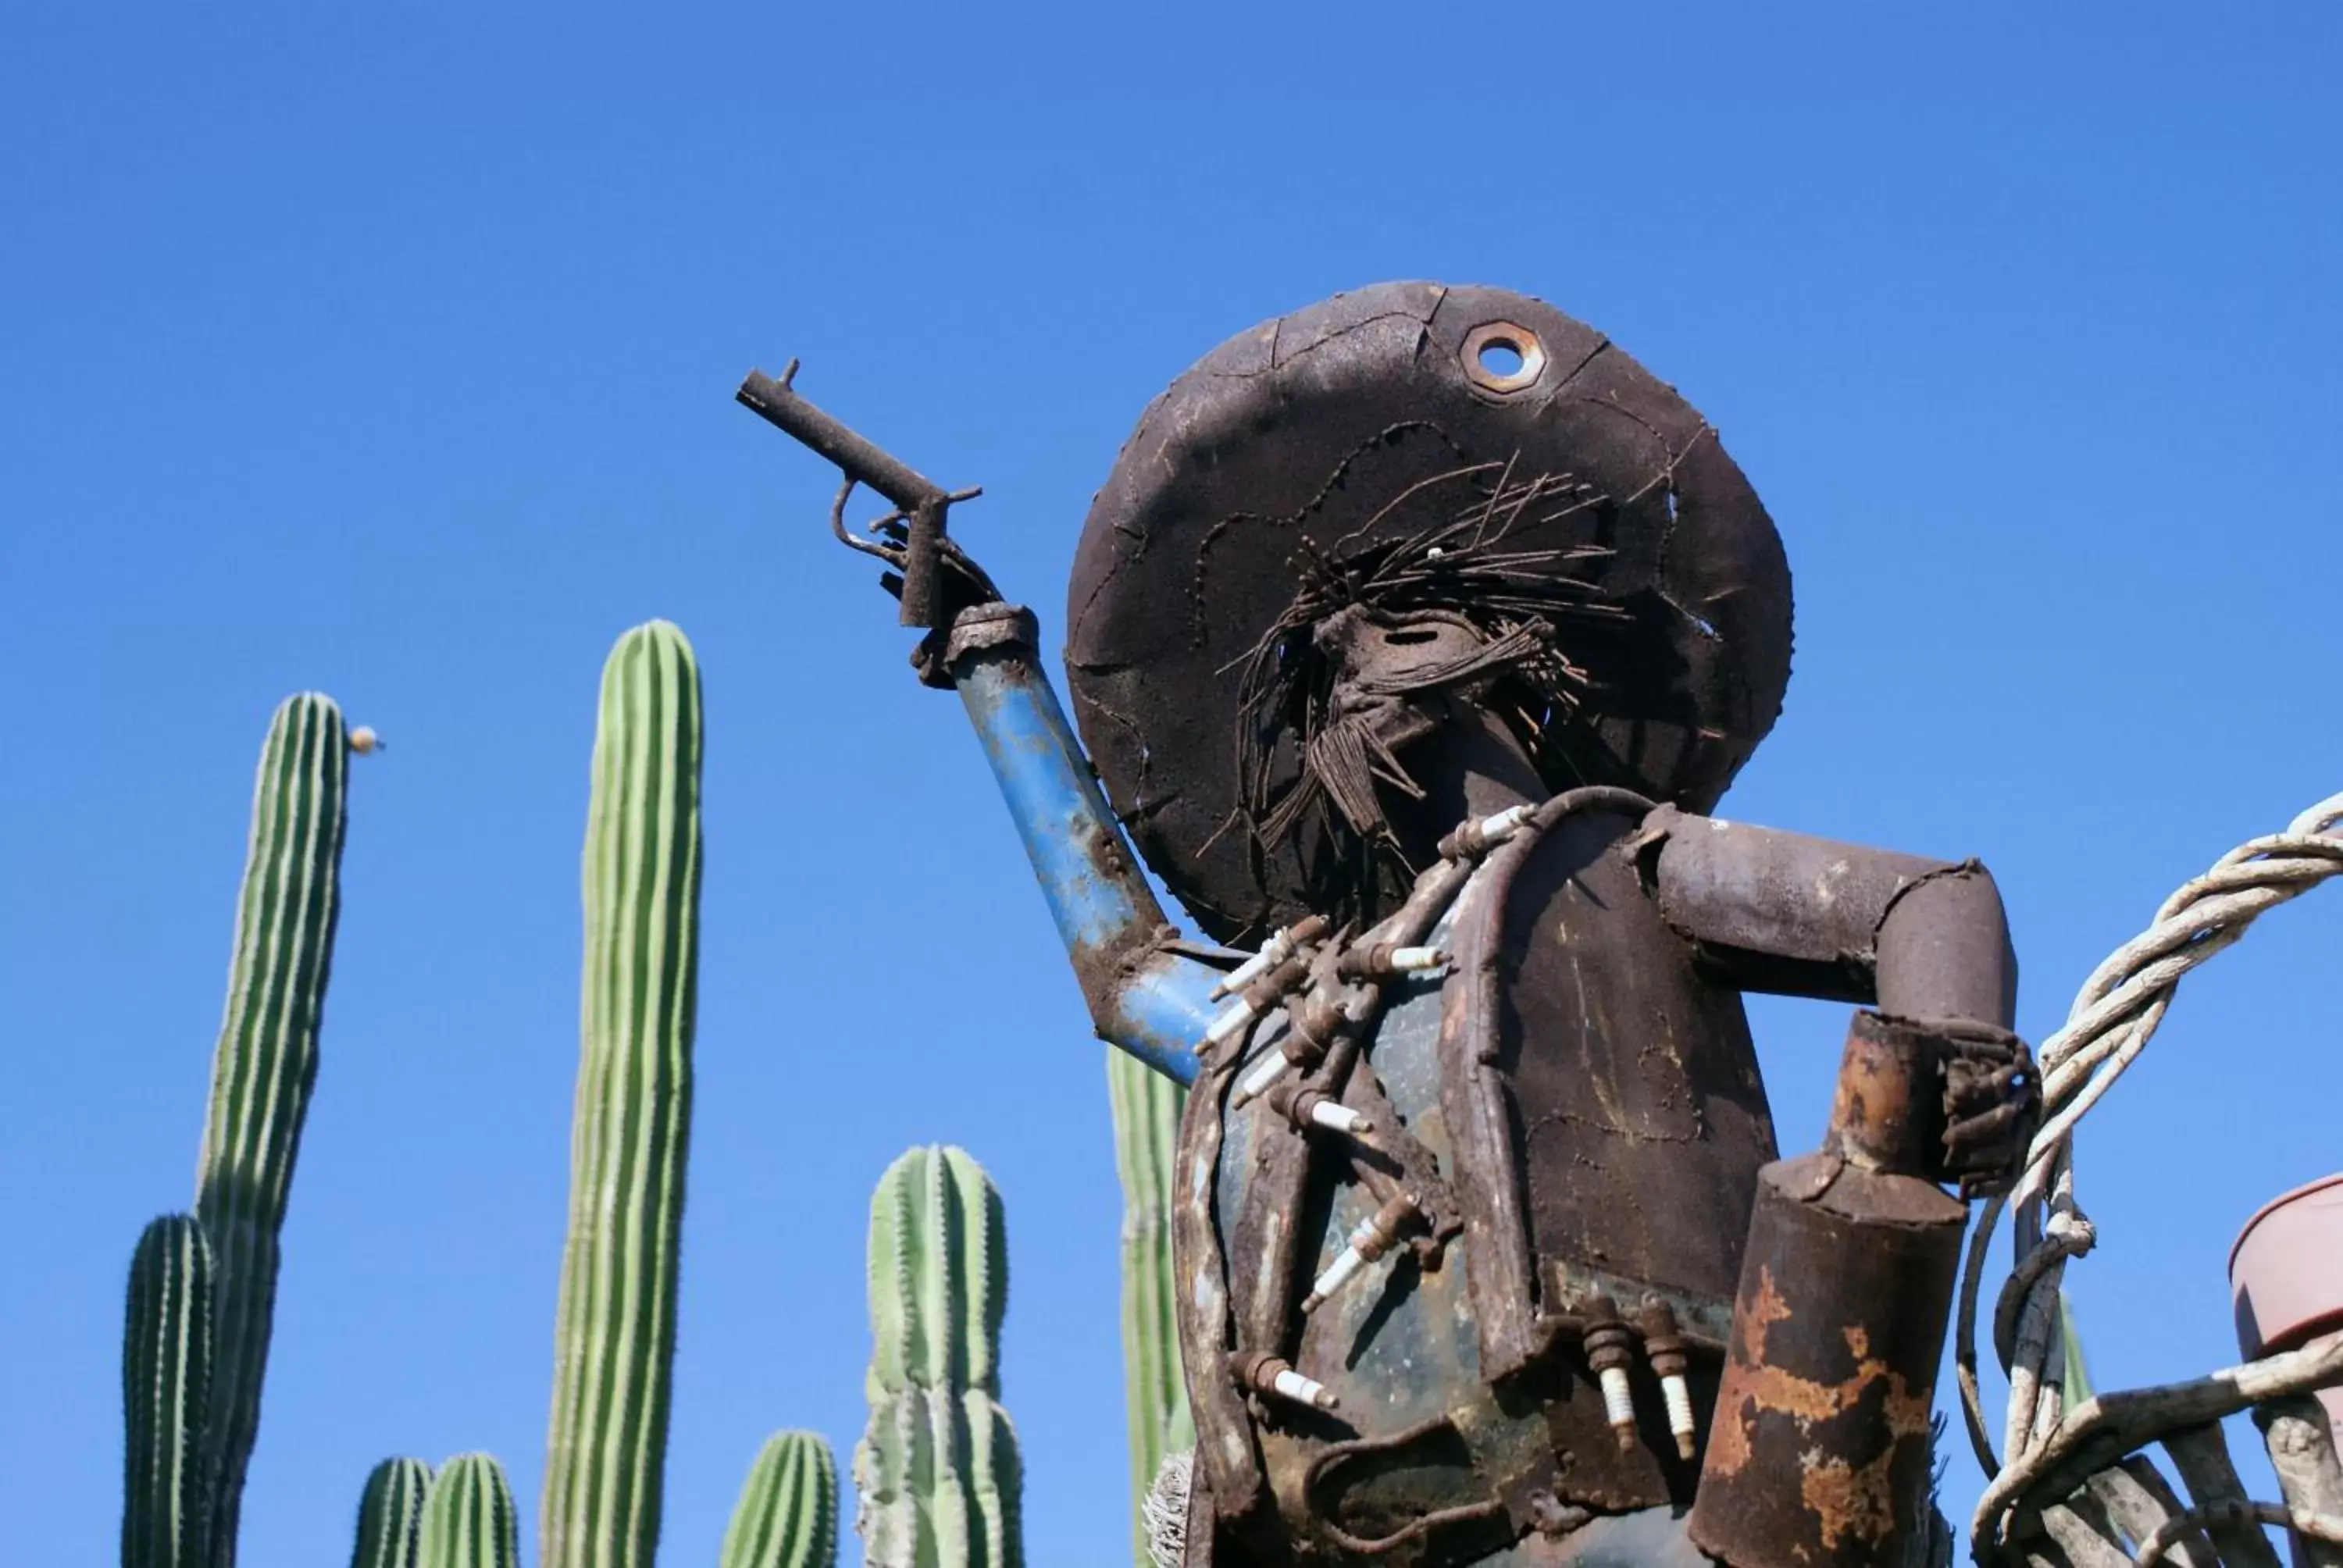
point(1312, 449)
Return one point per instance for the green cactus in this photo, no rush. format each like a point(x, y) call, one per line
point(468, 1520)
point(938, 1468)
point(615, 1335)
point(787, 1513)
point(1155, 1392)
point(2077, 1386)
point(263, 1067)
point(390, 1515)
point(166, 1374)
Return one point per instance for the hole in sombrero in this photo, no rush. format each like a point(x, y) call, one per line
point(1501, 357)
point(1403, 638)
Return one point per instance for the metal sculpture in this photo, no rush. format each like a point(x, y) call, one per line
point(1411, 637)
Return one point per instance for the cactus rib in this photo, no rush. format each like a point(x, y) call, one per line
point(166, 1366)
point(1147, 1107)
point(468, 1520)
point(787, 1513)
point(615, 1335)
point(936, 1470)
point(264, 1066)
point(390, 1515)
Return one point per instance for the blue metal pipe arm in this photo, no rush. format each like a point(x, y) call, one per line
point(1143, 997)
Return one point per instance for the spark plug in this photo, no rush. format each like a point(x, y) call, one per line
point(1281, 946)
point(1256, 999)
point(1379, 960)
point(1475, 839)
point(1607, 1341)
point(1374, 1235)
point(1265, 1374)
point(1664, 1348)
point(1308, 1108)
point(1310, 1026)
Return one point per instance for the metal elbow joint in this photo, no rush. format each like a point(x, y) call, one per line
point(1943, 951)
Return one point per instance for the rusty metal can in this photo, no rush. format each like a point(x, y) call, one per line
point(1819, 1451)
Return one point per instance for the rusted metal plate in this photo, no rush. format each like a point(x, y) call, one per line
point(1640, 1116)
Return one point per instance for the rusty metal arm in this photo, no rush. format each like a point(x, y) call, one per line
point(1850, 1267)
point(1796, 916)
point(1145, 995)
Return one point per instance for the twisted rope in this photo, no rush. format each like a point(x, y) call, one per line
point(2113, 1018)
point(2302, 1521)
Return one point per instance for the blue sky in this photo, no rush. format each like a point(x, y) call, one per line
point(391, 354)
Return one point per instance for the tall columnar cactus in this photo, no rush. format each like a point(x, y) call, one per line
point(467, 1517)
point(615, 1336)
point(1146, 1131)
point(166, 1373)
point(264, 1066)
point(937, 1470)
point(390, 1515)
point(787, 1513)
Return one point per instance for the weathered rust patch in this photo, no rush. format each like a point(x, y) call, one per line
point(1769, 1388)
point(1856, 1502)
point(1728, 1437)
point(1767, 1308)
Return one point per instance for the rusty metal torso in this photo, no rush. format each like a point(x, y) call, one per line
point(1642, 1119)
point(1594, 1107)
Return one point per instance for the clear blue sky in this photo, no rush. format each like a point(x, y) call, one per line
point(392, 355)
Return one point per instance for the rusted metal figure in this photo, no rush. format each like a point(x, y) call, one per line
point(1411, 637)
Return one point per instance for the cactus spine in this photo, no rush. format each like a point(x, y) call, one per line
point(167, 1370)
point(787, 1513)
point(390, 1515)
point(1146, 1132)
point(936, 1468)
point(615, 1335)
point(467, 1517)
point(263, 1067)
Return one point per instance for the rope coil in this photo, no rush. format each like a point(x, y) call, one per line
point(2113, 1018)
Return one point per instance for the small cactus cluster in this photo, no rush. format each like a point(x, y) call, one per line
point(468, 1520)
point(787, 1513)
point(936, 1474)
point(938, 1466)
point(390, 1514)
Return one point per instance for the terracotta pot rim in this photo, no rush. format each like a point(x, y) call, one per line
point(2275, 1204)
